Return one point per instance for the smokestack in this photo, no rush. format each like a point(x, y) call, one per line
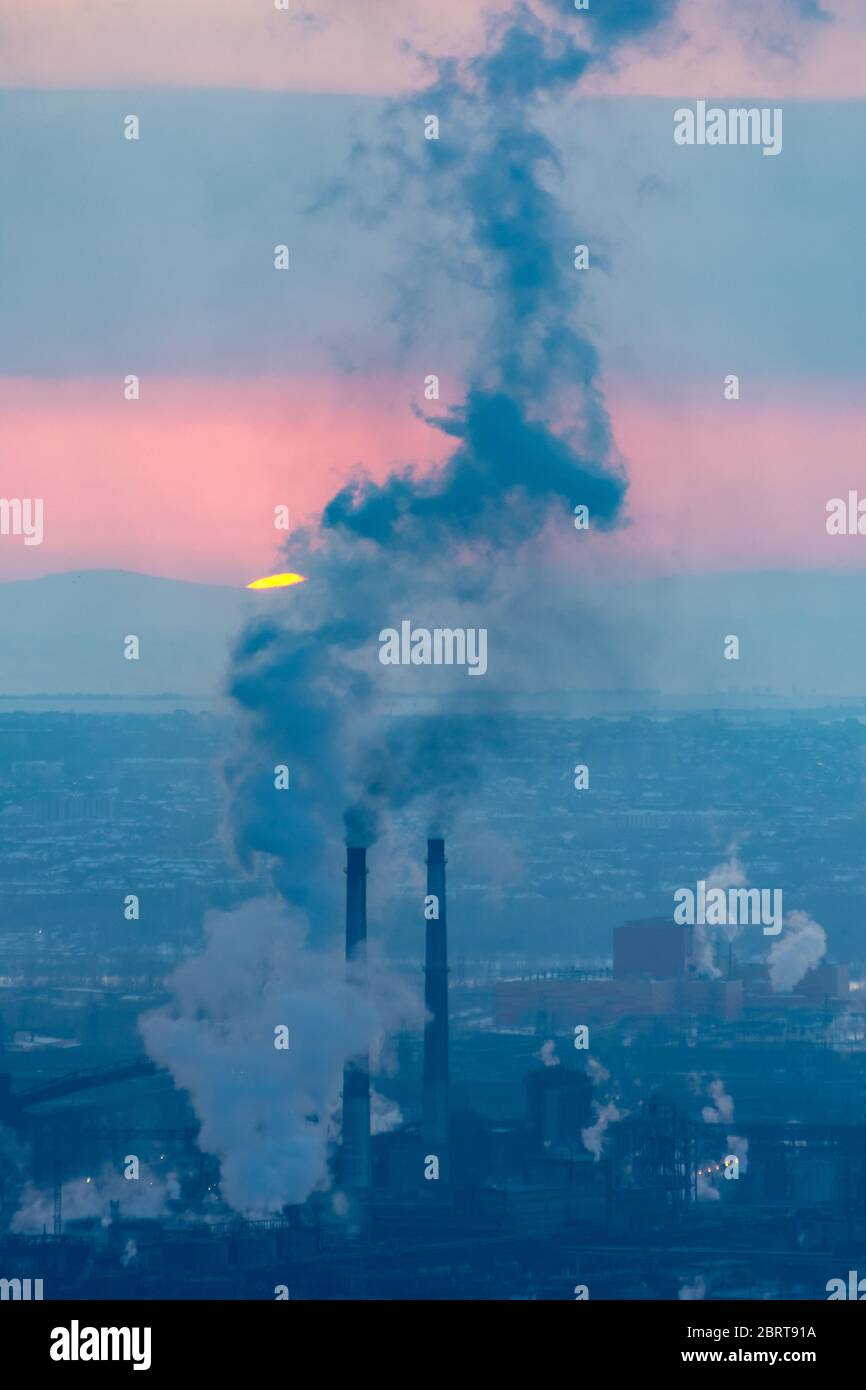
point(436, 1001)
point(356, 1073)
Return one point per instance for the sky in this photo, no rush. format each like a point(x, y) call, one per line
point(261, 388)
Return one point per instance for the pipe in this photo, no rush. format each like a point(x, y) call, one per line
point(356, 1073)
point(436, 1001)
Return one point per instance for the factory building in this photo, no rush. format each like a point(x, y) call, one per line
point(652, 948)
point(653, 976)
point(823, 986)
point(356, 1075)
point(548, 1176)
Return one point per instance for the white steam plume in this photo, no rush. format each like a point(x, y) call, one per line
point(797, 951)
point(265, 1112)
point(722, 1109)
point(144, 1198)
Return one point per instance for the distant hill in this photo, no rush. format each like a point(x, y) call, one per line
point(64, 633)
point(801, 634)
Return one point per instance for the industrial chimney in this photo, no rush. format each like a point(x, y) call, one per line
point(436, 1001)
point(356, 1073)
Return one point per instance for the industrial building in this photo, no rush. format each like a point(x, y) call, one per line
point(556, 1166)
point(655, 974)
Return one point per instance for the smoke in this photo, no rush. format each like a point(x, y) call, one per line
point(145, 1198)
point(449, 548)
point(265, 1112)
point(532, 439)
point(722, 1110)
point(546, 1054)
point(797, 951)
point(496, 488)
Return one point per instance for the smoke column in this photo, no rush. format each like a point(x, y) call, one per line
point(531, 439)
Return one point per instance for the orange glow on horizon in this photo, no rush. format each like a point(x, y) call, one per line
point(277, 581)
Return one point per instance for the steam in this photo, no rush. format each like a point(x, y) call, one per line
point(706, 1190)
point(144, 1198)
point(797, 951)
point(606, 1113)
point(265, 1112)
point(596, 1072)
point(546, 1054)
point(729, 874)
point(593, 1135)
point(739, 1147)
point(721, 1112)
point(696, 1290)
point(385, 1113)
point(531, 438)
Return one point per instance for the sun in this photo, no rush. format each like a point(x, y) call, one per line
point(277, 581)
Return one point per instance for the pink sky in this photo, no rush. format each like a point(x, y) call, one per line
point(713, 48)
point(183, 482)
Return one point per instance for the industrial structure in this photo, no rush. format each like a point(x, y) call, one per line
point(656, 975)
point(436, 1121)
point(558, 1165)
point(356, 1075)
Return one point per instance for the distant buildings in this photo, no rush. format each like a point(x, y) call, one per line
point(656, 973)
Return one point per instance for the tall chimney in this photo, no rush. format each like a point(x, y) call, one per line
point(356, 1073)
point(436, 1001)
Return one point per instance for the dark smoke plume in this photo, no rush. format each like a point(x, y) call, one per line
point(532, 440)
